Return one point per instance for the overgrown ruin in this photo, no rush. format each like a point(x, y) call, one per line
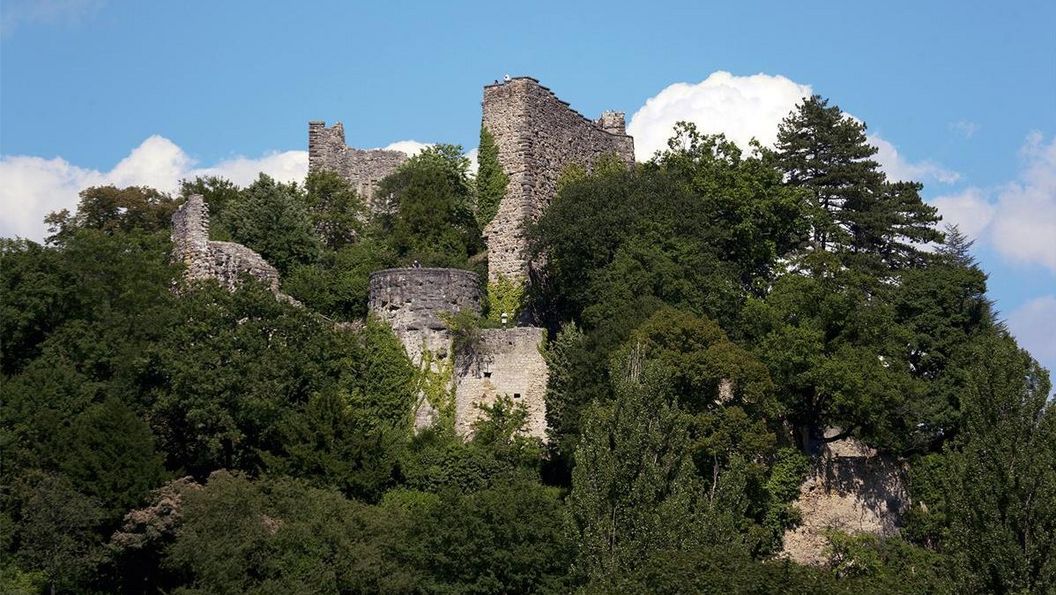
point(538, 136)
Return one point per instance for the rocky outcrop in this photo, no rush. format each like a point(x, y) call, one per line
point(850, 489)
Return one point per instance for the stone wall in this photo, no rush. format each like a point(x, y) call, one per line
point(507, 362)
point(363, 169)
point(851, 489)
point(538, 136)
point(224, 261)
point(412, 301)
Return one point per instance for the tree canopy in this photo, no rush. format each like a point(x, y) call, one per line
point(716, 315)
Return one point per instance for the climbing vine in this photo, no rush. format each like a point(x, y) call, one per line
point(505, 295)
point(491, 180)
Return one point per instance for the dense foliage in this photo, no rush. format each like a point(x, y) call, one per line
point(717, 315)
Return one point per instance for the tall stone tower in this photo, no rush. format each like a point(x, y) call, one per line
point(538, 135)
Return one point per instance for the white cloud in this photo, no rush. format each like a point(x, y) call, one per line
point(1019, 218)
point(969, 210)
point(410, 147)
point(48, 12)
point(747, 107)
point(31, 187)
point(472, 155)
point(742, 107)
point(1034, 326)
point(898, 168)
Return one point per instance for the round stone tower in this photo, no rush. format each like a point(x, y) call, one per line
point(413, 301)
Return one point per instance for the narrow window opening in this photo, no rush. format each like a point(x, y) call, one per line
point(516, 395)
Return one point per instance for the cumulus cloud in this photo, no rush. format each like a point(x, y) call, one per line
point(741, 107)
point(1034, 326)
point(747, 107)
point(1018, 218)
point(969, 210)
point(899, 169)
point(472, 155)
point(410, 147)
point(31, 187)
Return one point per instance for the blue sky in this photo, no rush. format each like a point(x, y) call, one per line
point(962, 95)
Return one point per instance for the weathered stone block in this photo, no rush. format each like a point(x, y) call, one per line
point(506, 362)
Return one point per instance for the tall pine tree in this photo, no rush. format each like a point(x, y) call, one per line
point(858, 213)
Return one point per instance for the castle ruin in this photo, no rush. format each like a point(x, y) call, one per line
point(362, 168)
point(415, 301)
point(538, 137)
point(205, 259)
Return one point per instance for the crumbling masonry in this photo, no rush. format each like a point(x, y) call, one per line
point(538, 137)
point(363, 169)
point(224, 261)
point(415, 301)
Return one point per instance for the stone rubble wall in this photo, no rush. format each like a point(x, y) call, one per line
point(538, 136)
point(363, 169)
point(506, 362)
point(224, 261)
point(851, 489)
point(509, 362)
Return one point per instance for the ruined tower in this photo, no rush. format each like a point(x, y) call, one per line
point(363, 169)
point(538, 136)
point(224, 261)
point(415, 301)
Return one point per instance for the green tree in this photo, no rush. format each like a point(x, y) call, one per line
point(426, 212)
point(336, 210)
point(338, 285)
point(509, 538)
point(838, 356)
point(491, 180)
point(111, 209)
point(858, 212)
point(272, 218)
point(111, 457)
point(992, 493)
point(57, 530)
point(634, 491)
point(752, 215)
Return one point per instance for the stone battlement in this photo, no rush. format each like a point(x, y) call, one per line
point(414, 299)
point(362, 168)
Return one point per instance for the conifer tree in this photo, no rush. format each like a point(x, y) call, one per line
point(857, 211)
